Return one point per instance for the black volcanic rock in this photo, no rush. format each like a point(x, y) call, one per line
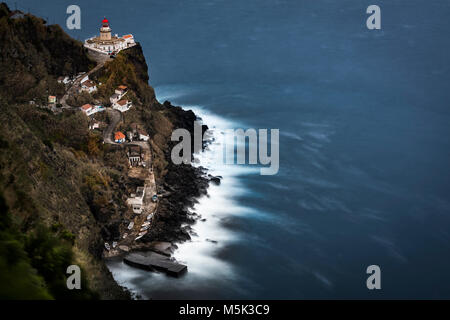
point(215, 180)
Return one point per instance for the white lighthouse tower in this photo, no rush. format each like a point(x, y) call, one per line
point(107, 44)
point(105, 30)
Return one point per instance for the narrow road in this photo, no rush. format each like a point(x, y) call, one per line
point(115, 116)
point(149, 207)
point(75, 86)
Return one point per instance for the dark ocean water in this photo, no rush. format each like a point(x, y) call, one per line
point(364, 125)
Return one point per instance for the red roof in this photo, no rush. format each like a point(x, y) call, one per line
point(88, 83)
point(119, 136)
point(127, 36)
point(122, 102)
point(105, 23)
point(86, 107)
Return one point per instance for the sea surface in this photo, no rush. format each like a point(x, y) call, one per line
point(364, 124)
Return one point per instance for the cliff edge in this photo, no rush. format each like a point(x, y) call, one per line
point(62, 191)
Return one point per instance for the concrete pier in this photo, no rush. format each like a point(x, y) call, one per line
point(154, 261)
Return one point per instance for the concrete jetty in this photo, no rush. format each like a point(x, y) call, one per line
point(154, 261)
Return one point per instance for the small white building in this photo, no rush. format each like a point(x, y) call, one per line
point(136, 201)
point(94, 125)
point(64, 80)
point(51, 99)
point(119, 137)
point(129, 40)
point(118, 94)
point(88, 86)
point(135, 156)
point(143, 135)
point(122, 105)
point(121, 90)
point(85, 78)
point(88, 109)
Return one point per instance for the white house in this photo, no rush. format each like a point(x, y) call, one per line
point(135, 156)
point(94, 125)
point(136, 201)
point(118, 94)
point(52, 99)
point(121, 90)
point(88, 109)
point(88, 86)
point(64, 80)
point(143, 135)
point(129, 40)
point(85, 78)
point(122, 105)
point(119, 137)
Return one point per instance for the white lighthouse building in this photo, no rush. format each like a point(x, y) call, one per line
point(108, 44)
point(105, 31)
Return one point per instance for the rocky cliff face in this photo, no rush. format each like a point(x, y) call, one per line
point(180, 183)
point(33, 55)
point(63, 192)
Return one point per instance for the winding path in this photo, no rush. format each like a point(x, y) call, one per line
point(75, 86)
point(115, 116)
point(149, 206)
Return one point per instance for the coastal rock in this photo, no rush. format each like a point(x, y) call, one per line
point(153, 261)
point(186, 184)
point(216, 180)
point(165, 248)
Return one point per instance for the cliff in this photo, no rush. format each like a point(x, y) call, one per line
point(33, 55)
point(180, 183)
point(62, 191)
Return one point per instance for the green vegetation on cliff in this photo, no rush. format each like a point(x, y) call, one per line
point(54, 211)
point(62, 191)
point(45, 159)
point(40, 54)
point(33, 265)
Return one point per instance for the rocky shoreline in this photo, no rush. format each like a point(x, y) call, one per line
point(68, 182)
point(178, 191)
point(179, 188)
point(173, 218)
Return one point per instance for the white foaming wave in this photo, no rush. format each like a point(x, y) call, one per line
point(171, 92)
point(210, 236)
point(212, 120)
point(125, 276)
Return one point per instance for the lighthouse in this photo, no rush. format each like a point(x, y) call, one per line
point(105, 30)
point(108, 44)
